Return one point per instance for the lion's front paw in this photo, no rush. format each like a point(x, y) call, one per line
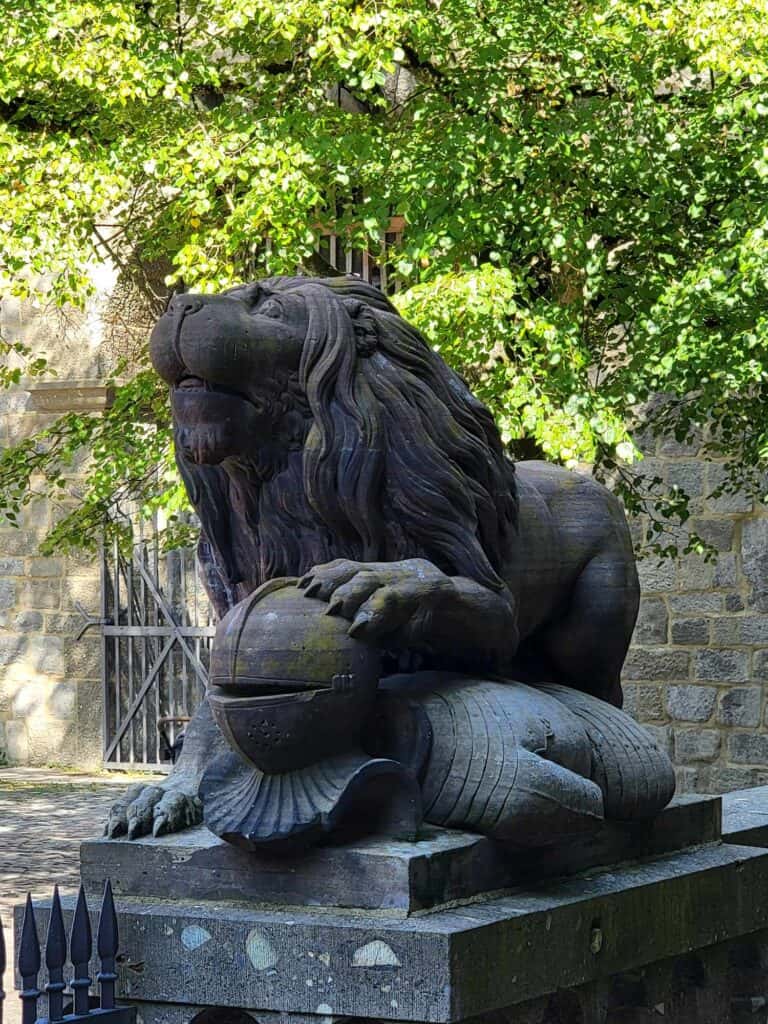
point(380, 599)
point(322, 581)
point(153, 809)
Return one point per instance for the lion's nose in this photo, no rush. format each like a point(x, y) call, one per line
point(184, 305)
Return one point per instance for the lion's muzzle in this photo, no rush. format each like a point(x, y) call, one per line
point(211, 425)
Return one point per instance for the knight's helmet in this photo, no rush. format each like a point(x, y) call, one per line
point(291, 692)
point(288, 685)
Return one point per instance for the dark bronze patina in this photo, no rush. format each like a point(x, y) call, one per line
point(321, 438)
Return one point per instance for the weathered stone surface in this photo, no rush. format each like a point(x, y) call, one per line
point(45, 655)
point(376, 873)
point(754, 557)
point(62, 700)
point(695, 573)
point(740, 706)
point(89, 726)
point(691, 703)
point(652, 622)
point(725, 630)
point(687, 475)
point(82, 658)
point(760, 665)
point(16, 542)
point(726, 572)
point(719, 779)
point(717, 532)
point(655, 576)
point(7, 593)
point(45, 567)
point(752, 630)
point(83, 590)
point(28, 622)
point(693, 604)
point(722, 666)
point(85, 395)
point(29, 699)
point(662, 735)
point(673, 448)
point(696, 744)
point(737, 503)
point(16, 745)
point(51, 741)
point(650, 703)
point(690, 631)
point(425, 968)
point(745, 816)
point(11, 648)
point(41, 594)
point(747, 748)
point(644, 663)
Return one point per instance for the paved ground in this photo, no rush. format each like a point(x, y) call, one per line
point(44, 815)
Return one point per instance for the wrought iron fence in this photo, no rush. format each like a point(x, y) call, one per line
point(377, 268)
point(80, 951)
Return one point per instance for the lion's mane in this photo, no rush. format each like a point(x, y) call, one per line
point(398, 459)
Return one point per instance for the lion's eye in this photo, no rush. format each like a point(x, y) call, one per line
point(270, 308)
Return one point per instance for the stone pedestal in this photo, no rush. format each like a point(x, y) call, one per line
point(414, 934)
point(378, 874)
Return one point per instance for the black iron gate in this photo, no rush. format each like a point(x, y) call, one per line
point(156, 625)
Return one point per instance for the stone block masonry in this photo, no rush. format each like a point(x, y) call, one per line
point(50, 681)
point(697, 669)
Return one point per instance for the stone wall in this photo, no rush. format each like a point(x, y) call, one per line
point(50, 681)
point(697, 669)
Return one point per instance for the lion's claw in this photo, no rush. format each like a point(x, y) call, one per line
point(176, 811)
point(322, 581)
point(117, 823)
point(154, 810)
point(140, 812)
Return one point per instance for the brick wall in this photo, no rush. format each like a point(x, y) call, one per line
point(697, 669)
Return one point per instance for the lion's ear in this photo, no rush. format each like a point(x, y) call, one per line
point(365, 325)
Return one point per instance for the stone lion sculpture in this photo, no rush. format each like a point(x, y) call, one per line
point(321, 438)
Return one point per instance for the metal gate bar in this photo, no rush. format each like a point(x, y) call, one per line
point(156, 628)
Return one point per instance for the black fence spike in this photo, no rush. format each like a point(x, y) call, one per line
point(106, 942)
point(80, 947)
point(29, 965)
point(108, 935)
point(55, 958)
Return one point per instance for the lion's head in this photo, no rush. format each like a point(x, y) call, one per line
point(312, 422)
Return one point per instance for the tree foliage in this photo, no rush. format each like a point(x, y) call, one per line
point(584, 185)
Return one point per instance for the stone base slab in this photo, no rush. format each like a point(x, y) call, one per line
point(378, 874)
point(745, 816)
point(441, 966)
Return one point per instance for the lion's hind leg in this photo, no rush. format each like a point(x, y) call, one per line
point(586, 646)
